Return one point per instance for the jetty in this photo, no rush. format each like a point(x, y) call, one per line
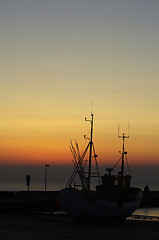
point(33, 201)
point(150, 199)
point(30, 201)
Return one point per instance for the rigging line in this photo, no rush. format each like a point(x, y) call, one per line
point(75, 163)
point(80, 160)
point(78, 152)
point(79, 165)
point(73, 151)
point(117, 162)
point(74, 160)
point(128, 165)
point(85, 142)
point(95, 156)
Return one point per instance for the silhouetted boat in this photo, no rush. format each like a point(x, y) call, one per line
point(113, 198)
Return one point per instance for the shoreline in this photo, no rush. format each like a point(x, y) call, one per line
point(52, 226)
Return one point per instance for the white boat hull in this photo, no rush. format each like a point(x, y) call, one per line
point(79, 205)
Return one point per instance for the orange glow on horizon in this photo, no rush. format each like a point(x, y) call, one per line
point(62, 61)
point(60, 155)
point(49, 143)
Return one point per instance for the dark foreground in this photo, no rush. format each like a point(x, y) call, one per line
point(40, 226)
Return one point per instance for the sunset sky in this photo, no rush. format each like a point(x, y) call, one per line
point(59, 60)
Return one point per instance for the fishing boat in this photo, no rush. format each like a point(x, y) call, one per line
point(112, 198)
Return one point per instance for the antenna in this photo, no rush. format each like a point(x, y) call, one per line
point(129, 128)
point(118, 130)
point(121, 136)
point(91, 108)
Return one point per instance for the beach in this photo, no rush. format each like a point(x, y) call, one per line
point(49, 226)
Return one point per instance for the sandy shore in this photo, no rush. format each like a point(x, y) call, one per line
point(54, 227)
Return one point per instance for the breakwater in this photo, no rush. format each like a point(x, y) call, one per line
point(31, 201)
point(150, 199)
point(22, 201)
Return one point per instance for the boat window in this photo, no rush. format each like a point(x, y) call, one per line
point(116, 182)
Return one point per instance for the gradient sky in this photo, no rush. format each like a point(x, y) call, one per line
point(59, 56)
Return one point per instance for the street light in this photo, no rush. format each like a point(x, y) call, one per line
point(46, 166)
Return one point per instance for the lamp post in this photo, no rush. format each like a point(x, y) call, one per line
point(46, 166)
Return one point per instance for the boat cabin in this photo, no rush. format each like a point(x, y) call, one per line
point(109, 180)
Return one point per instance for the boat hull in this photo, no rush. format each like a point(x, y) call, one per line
point(80, 205)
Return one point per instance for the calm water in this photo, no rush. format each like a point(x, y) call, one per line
point(36, 186)
point(51, 186)
point(153, 212)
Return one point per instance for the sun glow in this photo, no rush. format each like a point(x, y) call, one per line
point(57, 57)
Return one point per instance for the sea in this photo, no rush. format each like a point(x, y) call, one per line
point(146, 214)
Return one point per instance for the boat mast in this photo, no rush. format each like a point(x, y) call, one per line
point(123, 153)
point(90, 153)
